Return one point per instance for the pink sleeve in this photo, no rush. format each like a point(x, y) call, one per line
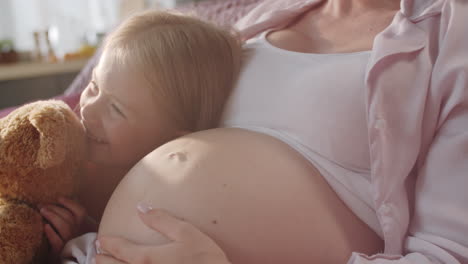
point(438, 231)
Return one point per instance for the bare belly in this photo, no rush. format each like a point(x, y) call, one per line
point(254, 195)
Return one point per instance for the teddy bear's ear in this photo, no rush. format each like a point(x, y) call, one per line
point(19, 141)
point(49, 121)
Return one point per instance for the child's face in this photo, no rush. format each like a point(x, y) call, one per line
point(122, 120)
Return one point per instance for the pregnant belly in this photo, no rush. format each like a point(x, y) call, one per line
point(256, 197)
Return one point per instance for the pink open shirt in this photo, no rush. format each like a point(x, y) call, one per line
point(417, 110)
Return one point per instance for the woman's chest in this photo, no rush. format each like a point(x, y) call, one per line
point(317, 100)
point(316, 33)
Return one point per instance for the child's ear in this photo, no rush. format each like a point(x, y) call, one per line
point(50, 124)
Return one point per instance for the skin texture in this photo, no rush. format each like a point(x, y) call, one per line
point(336, 27)
point(256, 197)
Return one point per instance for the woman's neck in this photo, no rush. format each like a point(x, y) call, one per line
point(340, 8)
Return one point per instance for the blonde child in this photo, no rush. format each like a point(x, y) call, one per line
point(161, 75)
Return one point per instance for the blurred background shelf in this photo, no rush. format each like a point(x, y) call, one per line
point(25, 82)
point(28, 70)
point(70, 25)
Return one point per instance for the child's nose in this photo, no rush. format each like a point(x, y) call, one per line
point(90, 112)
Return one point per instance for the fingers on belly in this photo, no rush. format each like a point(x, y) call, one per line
point(259, 199)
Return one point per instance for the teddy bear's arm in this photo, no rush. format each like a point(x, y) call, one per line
point(21, 231)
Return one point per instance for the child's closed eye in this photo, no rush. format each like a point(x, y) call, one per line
point(117, 109)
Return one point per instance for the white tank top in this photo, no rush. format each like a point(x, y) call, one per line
point(316, 104)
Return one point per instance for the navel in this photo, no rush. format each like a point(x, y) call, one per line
point(178, 156)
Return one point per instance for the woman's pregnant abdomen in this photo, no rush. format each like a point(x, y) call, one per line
point(259, 199)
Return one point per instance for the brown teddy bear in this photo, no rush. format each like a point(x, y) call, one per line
point(42, 147)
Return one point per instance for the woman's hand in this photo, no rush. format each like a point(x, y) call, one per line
point(65, 222)
point(189, 244)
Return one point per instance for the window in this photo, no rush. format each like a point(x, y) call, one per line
point(69, 22)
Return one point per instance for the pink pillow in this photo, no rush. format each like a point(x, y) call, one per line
point(221, 12)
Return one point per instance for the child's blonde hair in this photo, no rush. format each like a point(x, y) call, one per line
point(192, 64)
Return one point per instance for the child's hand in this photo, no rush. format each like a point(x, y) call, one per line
point(65, 222)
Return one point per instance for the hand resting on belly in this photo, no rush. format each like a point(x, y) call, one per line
point(260, 200)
